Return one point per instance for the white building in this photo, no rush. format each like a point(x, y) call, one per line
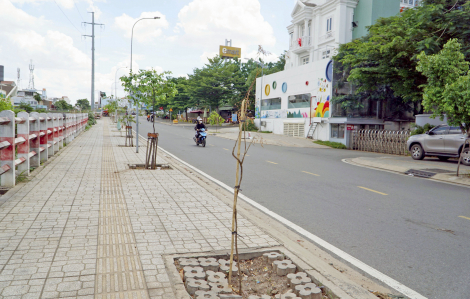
point(297, 99)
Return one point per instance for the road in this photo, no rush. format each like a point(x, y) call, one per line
point(414, 230)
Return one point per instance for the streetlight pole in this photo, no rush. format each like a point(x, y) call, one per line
point(137, 106)
point(115, 80)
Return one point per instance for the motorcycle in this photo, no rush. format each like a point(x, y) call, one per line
point(202, 138)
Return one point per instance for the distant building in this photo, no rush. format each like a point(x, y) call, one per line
point(8, 88)
point(66, 99)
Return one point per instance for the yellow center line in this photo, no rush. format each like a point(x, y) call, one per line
point(310, 173)
point(225, 149)
point(211, 144)
point(464, 217)
point(271, 162)
point(372, 190)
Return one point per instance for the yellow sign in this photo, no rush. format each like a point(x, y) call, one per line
point(230, 52)
point(267, 89)
point(171, 110)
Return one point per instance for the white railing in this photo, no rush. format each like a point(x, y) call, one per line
point(39, 136)
point(302, 42)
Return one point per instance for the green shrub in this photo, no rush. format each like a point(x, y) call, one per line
point(249, 125)
point(331, 144)
point(416, 130)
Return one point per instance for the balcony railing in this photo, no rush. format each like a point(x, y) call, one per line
point(302, 42)
point(327, 36)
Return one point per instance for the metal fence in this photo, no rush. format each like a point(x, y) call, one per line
point(380, 141)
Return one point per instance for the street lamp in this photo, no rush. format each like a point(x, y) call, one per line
point(261, 98)
point(115, 80)
point(137, 106)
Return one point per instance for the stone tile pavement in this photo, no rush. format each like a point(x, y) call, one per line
point(86, 226)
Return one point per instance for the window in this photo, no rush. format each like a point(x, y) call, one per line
point(271, 104)
point(291, 35)
point(299, 101)
point(309, 29)
point(337, 131)
point(440, 130)
point(455, 130)
point(329, 23)
point(305, 60)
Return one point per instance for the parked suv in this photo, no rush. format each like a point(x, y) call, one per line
point(442, 141)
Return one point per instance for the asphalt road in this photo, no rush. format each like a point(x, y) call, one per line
point(410, 230)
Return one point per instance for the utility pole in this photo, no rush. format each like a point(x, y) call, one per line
point(92, 57)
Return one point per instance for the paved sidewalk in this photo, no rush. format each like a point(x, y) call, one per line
point(86, 226)
point(445, 170)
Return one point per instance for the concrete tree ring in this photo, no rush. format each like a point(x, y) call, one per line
point(220, 288)
point(225, 267)
point(192, 262)
point(298, 279)
point(308, 291)
point(270, 257)
point(260, 297)
point(230, 296)
point(194, 285)
point(206, 295)
point(194, 272)
point(209, 264)
point(216, 277)
point(282, 268)
point(287, 296)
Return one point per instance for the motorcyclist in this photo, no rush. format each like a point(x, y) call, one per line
point(199, 125)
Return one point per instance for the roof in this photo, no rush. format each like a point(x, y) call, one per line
point(8, 82)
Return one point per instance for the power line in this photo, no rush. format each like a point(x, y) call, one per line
point(78, 11)
point(67, 17)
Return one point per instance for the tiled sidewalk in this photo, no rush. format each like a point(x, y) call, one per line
point(87, 226)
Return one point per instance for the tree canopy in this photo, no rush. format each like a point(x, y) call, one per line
point(385, 60)
point(62, 105)
point(447, 90)
point(83, 104)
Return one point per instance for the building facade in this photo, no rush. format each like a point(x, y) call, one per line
point(296, 101)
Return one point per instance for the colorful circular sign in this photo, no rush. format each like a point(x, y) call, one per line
point(284, 87)
point(267, 89)
point(274, 85)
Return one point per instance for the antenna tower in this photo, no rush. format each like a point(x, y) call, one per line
point(31, 75)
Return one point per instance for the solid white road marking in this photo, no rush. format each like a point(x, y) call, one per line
point(345, 256)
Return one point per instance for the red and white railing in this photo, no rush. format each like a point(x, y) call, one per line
point(40, 136)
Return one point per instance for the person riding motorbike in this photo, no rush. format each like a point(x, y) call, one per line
point(199, 125)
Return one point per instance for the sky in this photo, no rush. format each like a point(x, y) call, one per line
point(50, 33)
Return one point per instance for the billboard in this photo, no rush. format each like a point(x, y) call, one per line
point(230, 52)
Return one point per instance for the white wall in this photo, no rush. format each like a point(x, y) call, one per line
point(295, 78)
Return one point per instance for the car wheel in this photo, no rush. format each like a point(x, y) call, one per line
point(466, 157)
point(417, 152)
point(442, 158)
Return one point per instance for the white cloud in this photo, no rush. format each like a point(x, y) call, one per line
point(207, 55)
point(146, 30)
point(210, 22)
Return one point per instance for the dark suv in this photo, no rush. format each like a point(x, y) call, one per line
point(442, 141)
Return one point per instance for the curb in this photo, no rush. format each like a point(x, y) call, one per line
point(440, 178)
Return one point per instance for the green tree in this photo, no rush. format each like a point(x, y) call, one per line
point(83, 104)
point(216, 83)
point(112, 106)
point(385, 60)
point(149, 87)
point(215, 119)
point(447, 90)
point(37, 97)
point(5, 104)
point(62, 105)
point(26, 107)
point(182, 100)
